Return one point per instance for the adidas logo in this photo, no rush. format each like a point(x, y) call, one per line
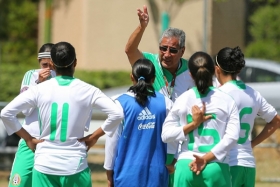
point(145, 114)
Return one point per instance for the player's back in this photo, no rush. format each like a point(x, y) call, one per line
point(250, 104)
point(141, 154)
point(64, 104)
point(201, 140)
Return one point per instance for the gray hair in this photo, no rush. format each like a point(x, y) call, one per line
point(174, 32)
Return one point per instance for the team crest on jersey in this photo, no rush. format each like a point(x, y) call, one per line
point(16, 180)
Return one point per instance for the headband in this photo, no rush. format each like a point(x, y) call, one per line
point(221, 67)
point(44, 55)
point(66, 65)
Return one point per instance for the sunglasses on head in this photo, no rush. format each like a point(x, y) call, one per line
point(171, 50)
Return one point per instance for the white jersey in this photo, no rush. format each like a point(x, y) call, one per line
point(250, 104)
point(30, 123)
point(64, 106)
point(216, 135)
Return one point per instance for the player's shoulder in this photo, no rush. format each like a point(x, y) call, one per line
point(151, 56)
point(184, 60)
point(224, 96)
point(29, 77)
point(31, 71)
point(84, 85)
point(81, 82)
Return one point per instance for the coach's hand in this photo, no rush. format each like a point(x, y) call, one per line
point(143, 16)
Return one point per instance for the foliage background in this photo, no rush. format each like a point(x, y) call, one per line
point(18, 43)
point(264, 30)
point(18, 50)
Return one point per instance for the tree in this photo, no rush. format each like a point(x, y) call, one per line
point(18, 34)
point(18, 49)
point(265, 32)
point(18, 43)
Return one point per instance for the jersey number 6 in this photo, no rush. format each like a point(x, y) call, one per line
point(244, 126)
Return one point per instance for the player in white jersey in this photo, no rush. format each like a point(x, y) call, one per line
point(64, 104)
point(172, 74)
point(207, 142)
point(250, 103)
point(21, 172)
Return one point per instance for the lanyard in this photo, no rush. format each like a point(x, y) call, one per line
point(170, 88)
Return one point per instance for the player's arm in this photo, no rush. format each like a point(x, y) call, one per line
point(91, 139)
point(44, 74)
point(110, 180)
point(198, 116)
point(22, 102)
point(219, 151)
point(112, 109)
point(269, 114)
point(231, 135)
point(30, 141)
point(27, 81)
point(268, 130)
point(172, 132)
point(171, 167)
point(110, 125)
point(200, 162)
point(131, 48)
point(111, 145)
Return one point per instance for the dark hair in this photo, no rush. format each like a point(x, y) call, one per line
point(143, 71)
point(45, 48)
point(63, 56)
point(202, 69)
point(230, 60)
